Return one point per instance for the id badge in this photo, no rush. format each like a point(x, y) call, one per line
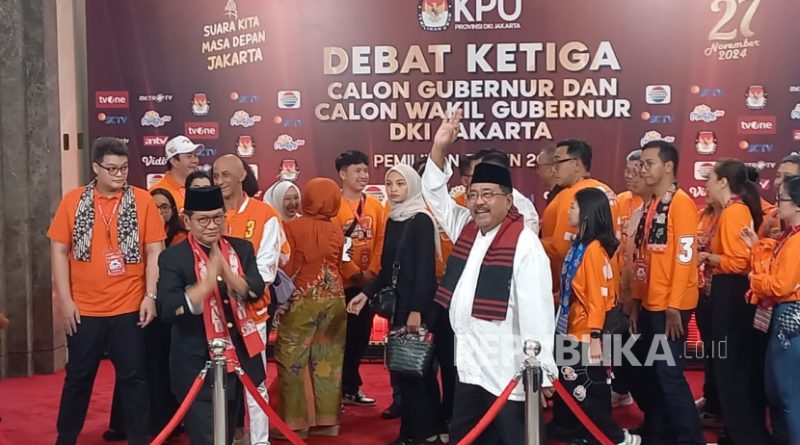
point(640, 271)
point(115, 263)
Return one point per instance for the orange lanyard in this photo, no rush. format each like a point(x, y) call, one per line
point(107, 221)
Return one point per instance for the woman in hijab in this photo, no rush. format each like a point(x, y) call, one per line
point(412, 242)
point(312, 332)
point(284, 196)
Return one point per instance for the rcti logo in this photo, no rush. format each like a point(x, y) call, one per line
point(755, 148)
point(288, 122)
point(706, 91)
point(243, 99)
point(658, 94)
point(704, 113)
point(151, 118)
point(200, 104)
point(756, 97)
point(657, 118)
point(111, 119)
point(706, 142)
point(434, 15)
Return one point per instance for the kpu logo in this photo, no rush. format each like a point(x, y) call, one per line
point(706, 142)
point(434, 15)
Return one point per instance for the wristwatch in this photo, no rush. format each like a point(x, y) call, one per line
point(596, 334)
point(151, 295)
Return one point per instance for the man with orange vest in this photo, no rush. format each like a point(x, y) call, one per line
point(181, 155)
point(259, 223)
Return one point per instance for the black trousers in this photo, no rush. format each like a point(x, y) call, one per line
point(589, 386)
point(740, 372)
point(666, 400)
point(420, 410)
point(471, 403)
point(445, 357)
point(703, 318)
point(359, 328)
point(124, 341)
point(199, 420)
point(163, 403)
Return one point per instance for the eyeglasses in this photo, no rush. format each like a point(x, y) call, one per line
point(647, 165)
point(114, 171)
point(204, 221)
point(486, 195)
point(165, 207)
point(558, 162)
point(779, 199)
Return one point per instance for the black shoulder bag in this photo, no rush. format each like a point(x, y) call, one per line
point(383, 303)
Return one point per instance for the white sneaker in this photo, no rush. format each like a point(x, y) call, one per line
point(631, 439)
point(621, 399)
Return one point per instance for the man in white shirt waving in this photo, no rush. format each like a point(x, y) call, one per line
point(497, 290)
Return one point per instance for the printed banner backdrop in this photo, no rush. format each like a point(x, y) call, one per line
point(290, 84)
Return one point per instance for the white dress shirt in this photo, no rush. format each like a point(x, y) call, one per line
point(489, 353)
point(527, 210)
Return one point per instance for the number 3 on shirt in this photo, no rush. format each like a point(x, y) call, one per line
point(251, 227)
point(687, 249)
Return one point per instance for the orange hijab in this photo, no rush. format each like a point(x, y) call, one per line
point(314, 235)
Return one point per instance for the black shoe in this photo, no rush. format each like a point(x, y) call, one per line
point(114, 436)
point(392, 412)
point(359, 399)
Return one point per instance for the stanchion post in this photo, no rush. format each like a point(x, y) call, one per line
point(532, 378)
point(217, 348)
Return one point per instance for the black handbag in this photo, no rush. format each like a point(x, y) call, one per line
point(409, 354)
point(384, 301)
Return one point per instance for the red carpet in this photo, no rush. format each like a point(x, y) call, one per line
point(29, 406)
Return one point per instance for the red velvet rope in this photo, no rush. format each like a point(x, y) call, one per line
point(491, 413)
point(580, 414)
point(273, 416)
point(176, 419)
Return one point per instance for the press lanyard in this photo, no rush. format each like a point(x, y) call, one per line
point(108, 221)
point(359, 212)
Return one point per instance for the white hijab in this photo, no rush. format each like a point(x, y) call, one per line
point(275, 194)
point(414, 202)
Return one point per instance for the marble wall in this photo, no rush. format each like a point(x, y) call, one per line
point(30, 185)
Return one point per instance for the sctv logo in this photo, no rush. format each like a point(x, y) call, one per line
point(471, 11)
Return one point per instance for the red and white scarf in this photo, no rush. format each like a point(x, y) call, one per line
point(213, 312)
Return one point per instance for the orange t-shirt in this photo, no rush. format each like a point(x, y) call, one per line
point(93, 291)
point(593, 292)
point(556, 223)
point(671, 280)
point(780, 281)
point(247, 222)
point(367, 236)
point(178, 191)
point(728, 243)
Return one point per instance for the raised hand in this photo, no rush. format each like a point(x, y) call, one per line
point(448, 130)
